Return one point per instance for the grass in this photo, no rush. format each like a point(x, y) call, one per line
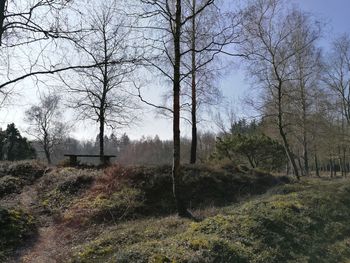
point(302, 222)
point(126, 215)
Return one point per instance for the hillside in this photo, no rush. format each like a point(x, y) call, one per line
point(126, 215)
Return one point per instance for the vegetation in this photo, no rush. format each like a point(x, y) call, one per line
point(303, 222)
point(16, 226)
point(229, 186)
point(258, 150)
point(14, 175)
point(124, 214)
point(123, 193)
point(13, 146)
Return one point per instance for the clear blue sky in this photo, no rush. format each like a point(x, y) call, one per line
point(234, 86)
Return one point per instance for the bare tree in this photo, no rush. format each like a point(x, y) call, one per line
point(269, 28)
point(307, 67)
point(101, 93)
point(165, 21)
point(199, 89)
point(337, 76)
point(27, 30)
point(25, 22)
point(45, 123)
point(202, 44)
point(337, 80)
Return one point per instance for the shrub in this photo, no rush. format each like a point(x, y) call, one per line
point(59, 188)
point(257, 150)
point(9, 185)
point(27, 170)
point(16, 226)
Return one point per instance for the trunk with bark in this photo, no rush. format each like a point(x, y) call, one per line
point(289, 153)
point(194, 91)
point(47, 148)
point(2, 18)
point(317, 166)
point(101, 139)
point(176, 172)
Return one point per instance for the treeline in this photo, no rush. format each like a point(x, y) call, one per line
point(145, 151)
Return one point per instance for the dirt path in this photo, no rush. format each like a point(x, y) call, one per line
point(44, 248)
point(50, 240)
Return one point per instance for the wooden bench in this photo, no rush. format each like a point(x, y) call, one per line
point(73, 158)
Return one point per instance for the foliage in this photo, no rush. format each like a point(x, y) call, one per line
point(242, 126)
point(16, 226)
point(259, 150)
point(14, 146)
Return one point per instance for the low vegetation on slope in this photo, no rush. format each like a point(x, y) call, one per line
point(303, 222)
point(136, 192)
point(15, 227)
point(79, 200)
point(15, 175)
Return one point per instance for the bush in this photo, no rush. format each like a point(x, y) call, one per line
point(27, 170)
point(75, 184)
point(16, 226)
point(257, 150)
point(59, 188)
point(15, 175)
point(9, 185)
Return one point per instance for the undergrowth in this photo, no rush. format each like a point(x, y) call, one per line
point(303, 222)
point(15, 227)
point(122, 193)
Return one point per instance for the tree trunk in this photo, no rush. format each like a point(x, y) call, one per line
point(101, 138)
point(46, 147)
point(176, 172)
point(344, 159)
point(287, 168)
point(316, 166)
point(48, 156)
point(2, 18)
point(304, 120)
point(306, 157)
point(289, 153)
point(331, 167)
point(194, 91)
point(301, 166)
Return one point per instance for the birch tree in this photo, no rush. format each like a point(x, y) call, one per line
point(268, 29)
point(165, 21)
point(45, 123)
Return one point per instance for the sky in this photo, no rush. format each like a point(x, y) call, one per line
point(235, 85)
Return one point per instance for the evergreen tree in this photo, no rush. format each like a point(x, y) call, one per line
point(15, 147)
